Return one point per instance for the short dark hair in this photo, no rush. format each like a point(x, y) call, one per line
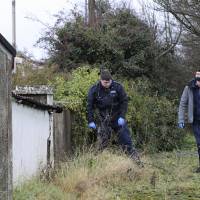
point(105, 75)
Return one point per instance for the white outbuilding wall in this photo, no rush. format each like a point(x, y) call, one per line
point(31, 129)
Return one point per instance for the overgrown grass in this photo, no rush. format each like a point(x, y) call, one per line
point(114, 176)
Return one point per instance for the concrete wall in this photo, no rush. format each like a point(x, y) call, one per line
point(40, 93)
point(31, 128)
point(62, 136)
point(5, 125)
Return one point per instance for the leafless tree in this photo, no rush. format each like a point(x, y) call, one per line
point(165, 30)
point(187, 12)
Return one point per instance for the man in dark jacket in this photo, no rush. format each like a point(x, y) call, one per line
point(111, 101)
point(190, 102)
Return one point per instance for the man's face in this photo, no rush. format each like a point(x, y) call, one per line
point(106, 83)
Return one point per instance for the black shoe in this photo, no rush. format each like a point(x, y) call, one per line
point(140, 163)
point(197, 170)
point(135, 157)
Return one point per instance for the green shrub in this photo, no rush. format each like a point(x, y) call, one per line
point(153, 121)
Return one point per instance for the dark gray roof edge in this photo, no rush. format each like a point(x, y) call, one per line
point(33, 103)
point(7, 45)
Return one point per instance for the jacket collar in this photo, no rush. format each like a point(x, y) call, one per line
point(192, 83)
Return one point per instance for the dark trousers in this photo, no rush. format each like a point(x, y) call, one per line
point(123, 135)
point(196, 130)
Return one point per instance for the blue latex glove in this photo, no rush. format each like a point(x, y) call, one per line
point(92, 125)
point(121, 121)
point(181, 125)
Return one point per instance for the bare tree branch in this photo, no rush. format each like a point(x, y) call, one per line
point(36, 19)
point(172, 46)
point(186, 12)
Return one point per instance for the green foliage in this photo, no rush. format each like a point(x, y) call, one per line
point(153, 120)
point(72, 93)
point(36, 189)
point(121, 41)
point(154, 123)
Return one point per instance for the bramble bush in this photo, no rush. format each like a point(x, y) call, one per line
point(152, 119)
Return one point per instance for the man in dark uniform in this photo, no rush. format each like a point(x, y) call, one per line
point(111, 101)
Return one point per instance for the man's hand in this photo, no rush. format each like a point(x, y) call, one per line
point(121, 121)
point(181, 125)
point(92, 125)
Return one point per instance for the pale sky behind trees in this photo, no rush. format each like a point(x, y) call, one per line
point(28, 31)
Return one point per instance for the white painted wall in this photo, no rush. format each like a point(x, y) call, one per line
point(30, 128)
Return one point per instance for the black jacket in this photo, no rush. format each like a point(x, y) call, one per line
point(112, 100)
point(196, 97)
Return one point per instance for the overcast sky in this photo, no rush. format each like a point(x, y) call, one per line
point(28, 31)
